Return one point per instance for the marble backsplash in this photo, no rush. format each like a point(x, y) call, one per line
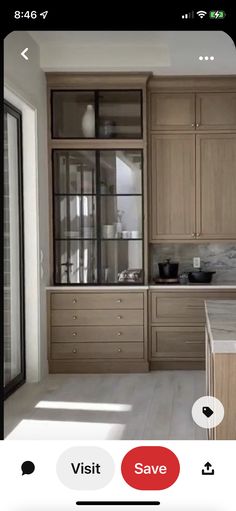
point(220, 258)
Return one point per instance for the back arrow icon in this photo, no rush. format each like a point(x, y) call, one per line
point(23, 54)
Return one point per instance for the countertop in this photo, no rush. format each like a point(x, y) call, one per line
point(221, 325)
point(221, 285)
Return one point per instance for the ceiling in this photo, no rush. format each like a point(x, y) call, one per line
point(163, 53)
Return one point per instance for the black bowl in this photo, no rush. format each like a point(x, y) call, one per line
point(201, 277)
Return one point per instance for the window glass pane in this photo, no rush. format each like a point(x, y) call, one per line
point(121, 172)
point(120, 114)
point(74, 172)
point(119, 256)
point(73, 114)
point(121, 217)
point(75, 216)
point(12, 294)
point(76, 262)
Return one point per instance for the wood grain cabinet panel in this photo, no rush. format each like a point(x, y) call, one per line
point(95, 350)
point(177, 342)
point(172, 189)
point(216, 111)
point(177, 309)
point(216, 170)
point(97, 301)
point(173, 111)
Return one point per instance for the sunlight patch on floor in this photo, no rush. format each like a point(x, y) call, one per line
point(100, 407)
point(29, 429)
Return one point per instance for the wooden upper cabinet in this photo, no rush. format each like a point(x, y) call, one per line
point(216, 186)
point(216, 111)
point(172, 189)
point(174, 111)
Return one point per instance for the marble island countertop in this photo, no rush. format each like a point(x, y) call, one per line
point(221, 325)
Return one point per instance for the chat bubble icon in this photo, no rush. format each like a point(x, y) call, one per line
point(27, 468)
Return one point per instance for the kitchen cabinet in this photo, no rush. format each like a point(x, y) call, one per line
point(97, 152)
point(177, 328)
point(216, 111)
point(172, 214)
point(176, 111)
point(172, 111)
point(216, 186)
point(97, 331)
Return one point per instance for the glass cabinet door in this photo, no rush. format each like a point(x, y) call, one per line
point(98, 216)
point(121, 214)
point(75, 228)
point(120, 114)
point(73, 114)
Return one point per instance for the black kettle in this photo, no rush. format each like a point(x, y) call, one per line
point(168, 270)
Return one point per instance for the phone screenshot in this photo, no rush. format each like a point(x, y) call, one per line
point(119, 260)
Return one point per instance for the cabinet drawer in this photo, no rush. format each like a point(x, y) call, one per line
point(95, 350)
point(184, 308)
point(96, 317)
point(97, 334)
point(178, 342)
point(177, 309)
point(97, 300)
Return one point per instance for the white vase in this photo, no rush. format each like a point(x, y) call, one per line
point(88, 122)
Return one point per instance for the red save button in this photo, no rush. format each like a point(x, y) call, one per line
point(150, 468)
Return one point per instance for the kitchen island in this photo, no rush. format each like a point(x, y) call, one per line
point(221, 363)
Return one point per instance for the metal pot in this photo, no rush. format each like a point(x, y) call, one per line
point(200, 276)
point(168, 270)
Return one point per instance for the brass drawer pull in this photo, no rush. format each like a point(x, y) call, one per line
point(75, 300)
point(119, 300)
point(192, 124)
point(74, 334)
point(119, 350)
point(194, 342)
point(197, 124)
point(119, 333)
point(74, 350)
point(119, 317)
point(75, 317)
point(197, 234)
point(193, 235)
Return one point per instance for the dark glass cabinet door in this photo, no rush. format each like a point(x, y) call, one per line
point(98, 215)
point(80, 114)
point(75, 227)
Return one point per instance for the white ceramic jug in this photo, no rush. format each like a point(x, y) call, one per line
point(88, 122)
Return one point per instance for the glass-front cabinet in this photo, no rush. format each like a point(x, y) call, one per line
point(97, 191)
point(98, 215)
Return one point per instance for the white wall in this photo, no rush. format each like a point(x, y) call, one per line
point(26, 88)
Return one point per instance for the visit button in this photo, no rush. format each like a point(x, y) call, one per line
point(150, 468)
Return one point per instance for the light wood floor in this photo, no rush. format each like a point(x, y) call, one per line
point(155, 405)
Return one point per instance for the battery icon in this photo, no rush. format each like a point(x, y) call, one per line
point(217, 15)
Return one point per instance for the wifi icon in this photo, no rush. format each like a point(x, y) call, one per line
point(201, 14)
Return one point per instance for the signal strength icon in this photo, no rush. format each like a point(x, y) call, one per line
point(189, 15)
point(201, 14)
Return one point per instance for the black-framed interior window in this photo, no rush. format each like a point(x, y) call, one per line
point(97, 215)
point(14, 317)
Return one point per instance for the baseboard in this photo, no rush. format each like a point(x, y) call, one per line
point(94, 366)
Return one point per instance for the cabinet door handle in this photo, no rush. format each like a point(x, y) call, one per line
point(197, 234)
point(74, 350)
point(75, 317)
point(197, 124)
point(119, 317)
point(74, 300)
point(74, 334)
point(193, 124)
point(119, 300)
point(194, 342)
point(119, 334)
point(119, 350)
point(193, 234)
